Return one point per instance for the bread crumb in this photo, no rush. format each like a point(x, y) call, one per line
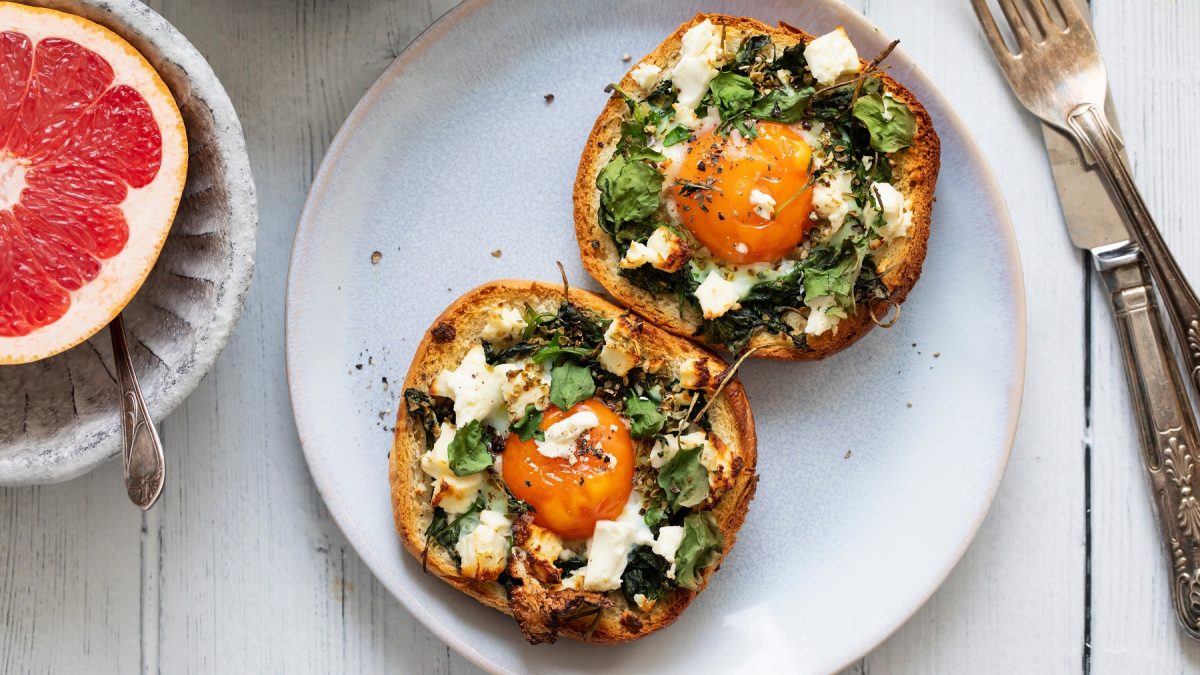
point(626, 58)
point(909, 404)
point(936, 354)
point(376, 256)
point(549, 98)
point(497, 253)
point(847, 455)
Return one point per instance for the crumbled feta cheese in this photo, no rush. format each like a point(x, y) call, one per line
point(525, 384)
point(562, 436)
point(543, 544)
point(717, 296)
point(667, 544)
point(823, 315)
point(784, 75)
point(664, 449)
point(608, 552)
point(453, 493)
point(699, 373)
point(620, 352)
point(643, 603)
point(484, 550)
point(700, 53)
point(764, 204)
point(476, 389)
point(664, 250)
point(646, 75)
point(831, 57)
point(896, 215)
point(504, 326)
point(574, 580)
point(611, 542)
point(832, 198)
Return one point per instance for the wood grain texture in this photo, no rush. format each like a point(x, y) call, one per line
point(240, 568)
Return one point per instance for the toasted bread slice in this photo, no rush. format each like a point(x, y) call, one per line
point(450, 337)
point(915, 176)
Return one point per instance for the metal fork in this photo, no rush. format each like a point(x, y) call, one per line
point(1059, 76)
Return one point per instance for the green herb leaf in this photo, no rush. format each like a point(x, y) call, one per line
point(890, 122)
point(732, 94)
point(749, 49)
point(529, 425)
point(675, 136)
point(645, 574)
point(783, 106)
point(555, 349)
point(702, 545)
point(644, 417)
point(468, 451)
point(837, 281)
point(684, 479)
point(570, 384)
point(629, 192)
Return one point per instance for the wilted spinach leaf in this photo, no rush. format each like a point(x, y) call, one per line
point(570, 384)
point(645, 574)
point(469, 451)
point(684, 479)
point(645, 420)
point(890, 122)
point(702, 545)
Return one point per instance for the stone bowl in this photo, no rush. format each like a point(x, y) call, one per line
point(59, 417)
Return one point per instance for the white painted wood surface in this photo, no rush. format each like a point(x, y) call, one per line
point(240, 568)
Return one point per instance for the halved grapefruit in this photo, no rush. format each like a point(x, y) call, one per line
point(93, 157)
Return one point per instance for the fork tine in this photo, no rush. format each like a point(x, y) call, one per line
point(1038, 9)
point(1017, 23)
point(1070, 11)
point(991, 30)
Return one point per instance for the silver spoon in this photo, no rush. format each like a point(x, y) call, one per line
point(141, 449)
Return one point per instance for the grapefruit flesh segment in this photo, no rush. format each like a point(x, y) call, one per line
point(91, 139)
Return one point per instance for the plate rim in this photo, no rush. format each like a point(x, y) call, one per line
point(854, 20)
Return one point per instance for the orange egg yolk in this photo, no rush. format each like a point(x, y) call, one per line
point(569, 498)
point(723, 217)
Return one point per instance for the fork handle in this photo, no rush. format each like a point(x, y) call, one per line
point(1165, 421)
point(1102, 148)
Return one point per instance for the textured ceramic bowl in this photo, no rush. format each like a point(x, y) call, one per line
point(59, 416)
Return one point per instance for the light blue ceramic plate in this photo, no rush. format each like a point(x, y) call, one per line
point(865, 504)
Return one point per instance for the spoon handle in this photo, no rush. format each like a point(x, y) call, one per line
point(141, 450)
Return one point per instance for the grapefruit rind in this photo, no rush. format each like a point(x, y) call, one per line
point(149, 210)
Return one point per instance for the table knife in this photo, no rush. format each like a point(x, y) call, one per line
point(1165, 418)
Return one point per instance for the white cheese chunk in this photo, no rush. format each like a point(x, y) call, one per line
point(699, 373)
point(543, 544)
point(664, 250)
point(525, 384)
point(823, 315)
point(476, 389)
point(608, 553)
point(832, 198)
point(764, 204)
point(620, 353)
point(717, 296)
point(453, 493)
point(504, 326)
point(563, 435)
point(484, 550)
point(662, 452)
point(646, 75)
point(667, 544)
point(700, 53)
point(831, 57)
point(897, 217)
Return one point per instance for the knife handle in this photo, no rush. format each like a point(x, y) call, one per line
point(1102, 148)
point(1165, 421)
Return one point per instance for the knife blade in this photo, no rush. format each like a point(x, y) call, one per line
point(1092, 218)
